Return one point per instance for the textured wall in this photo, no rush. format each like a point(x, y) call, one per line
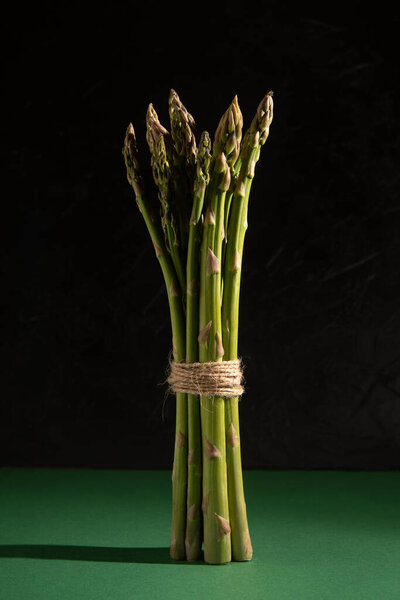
point(85, 320)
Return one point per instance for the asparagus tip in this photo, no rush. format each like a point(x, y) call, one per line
point(151, 113)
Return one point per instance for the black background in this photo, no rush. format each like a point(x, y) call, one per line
point(85, 323)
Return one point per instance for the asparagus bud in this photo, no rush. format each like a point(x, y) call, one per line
point(202, 176)
point(182, 128)
point(263, 118)
point(229, 133)
point(155, 137)
point(130, 153)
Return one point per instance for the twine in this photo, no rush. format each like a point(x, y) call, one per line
point(222, 378)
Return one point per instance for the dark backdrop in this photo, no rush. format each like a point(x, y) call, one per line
point(85, 323)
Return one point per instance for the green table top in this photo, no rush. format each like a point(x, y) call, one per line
point(92, 534)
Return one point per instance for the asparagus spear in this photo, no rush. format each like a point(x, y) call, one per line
point(194, 533)
point(255, 137)
point(190, 196)
point(183, 134)
point(184, 162)
point(161, 149)
point(217, 542)
point(228, 134)
point(136, 180)
point(177, 549)
point(227, 139)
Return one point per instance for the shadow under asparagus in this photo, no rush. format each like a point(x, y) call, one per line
point(92, 553)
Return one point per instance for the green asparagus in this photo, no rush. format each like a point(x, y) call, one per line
point(203, 192)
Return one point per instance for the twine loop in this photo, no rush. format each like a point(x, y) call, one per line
point(222, 378)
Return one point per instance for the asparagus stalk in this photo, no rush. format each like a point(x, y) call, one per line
point(188, 196)
point(217, 542)
point(255, 137)
point(194, 533)
point(227, 139)
point(179, 470)
point(175, 301)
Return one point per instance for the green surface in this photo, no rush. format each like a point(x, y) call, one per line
point(83, 534)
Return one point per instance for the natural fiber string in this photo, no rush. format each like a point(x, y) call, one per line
point(222, 378)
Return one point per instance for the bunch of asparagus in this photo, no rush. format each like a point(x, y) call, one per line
point(203, 193)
